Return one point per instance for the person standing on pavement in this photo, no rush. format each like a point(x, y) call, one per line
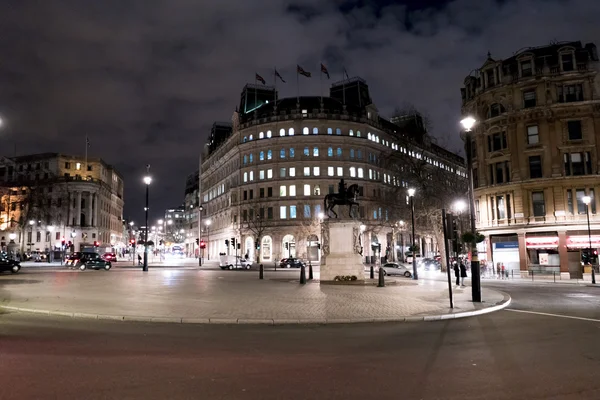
point(457, 273)
point(463, 274)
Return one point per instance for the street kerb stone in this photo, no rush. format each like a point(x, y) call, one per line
point(214, 297)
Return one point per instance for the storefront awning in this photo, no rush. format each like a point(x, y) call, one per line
point(582, 242)
point(542, 242)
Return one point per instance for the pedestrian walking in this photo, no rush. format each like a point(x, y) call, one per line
point(498, 270)
point(463, 274)
point(503, 270)
point(139, 260)
point(457, 273)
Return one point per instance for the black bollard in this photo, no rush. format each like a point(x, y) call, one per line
point(381, 278)
point(372, 275)
point(310, 272)
point(261, 272)
point(302, 275)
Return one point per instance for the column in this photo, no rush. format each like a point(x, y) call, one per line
point(96, 201)
point(522, 254)
point(78, 209)
point(69, 209)
point(562, 251)
point(90, 220)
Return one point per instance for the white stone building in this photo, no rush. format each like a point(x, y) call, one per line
point(48, 197)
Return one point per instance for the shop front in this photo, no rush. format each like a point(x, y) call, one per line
point(542, 252)
point(505, 251)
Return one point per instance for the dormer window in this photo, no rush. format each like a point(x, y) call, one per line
point(491, 80)
point(495, 110)
point(566, 60)
point(526, 68)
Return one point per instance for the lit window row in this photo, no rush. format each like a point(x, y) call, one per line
point(308, 151)
point(305, 131)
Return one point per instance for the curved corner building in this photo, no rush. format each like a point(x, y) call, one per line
point(265, 175)
point(535, 156)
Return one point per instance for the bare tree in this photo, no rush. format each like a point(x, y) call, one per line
point(255, 224)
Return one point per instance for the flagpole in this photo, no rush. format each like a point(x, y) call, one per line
point(255, 96)
point(344, 88)
point(297, 89)
point(321, 84)
point(87, 143)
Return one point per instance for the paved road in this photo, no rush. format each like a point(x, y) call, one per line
point(504, 355)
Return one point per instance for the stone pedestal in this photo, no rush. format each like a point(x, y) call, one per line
point(341, 250)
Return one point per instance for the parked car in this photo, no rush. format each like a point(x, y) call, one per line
point(112, 257)
point(231, 262)
point(395, 269)
point(291, 263)
point(9, 265)
point(87, 260)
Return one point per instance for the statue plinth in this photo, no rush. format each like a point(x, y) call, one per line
point(341, 250)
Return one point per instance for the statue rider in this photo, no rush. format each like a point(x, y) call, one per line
point(342, 188)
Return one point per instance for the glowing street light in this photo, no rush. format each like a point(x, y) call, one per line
point(468, 123)
point(147, 181)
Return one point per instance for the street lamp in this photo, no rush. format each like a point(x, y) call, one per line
point(208, 222)
point(147, 181)
point(587, 200)
point(200, 251)
point(411, 195)
point(468, 123)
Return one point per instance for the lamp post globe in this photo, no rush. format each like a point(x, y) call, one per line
point(468, 123)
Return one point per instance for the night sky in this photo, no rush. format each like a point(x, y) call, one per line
point(145, 79)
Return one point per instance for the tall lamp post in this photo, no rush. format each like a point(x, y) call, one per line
point(147, 181)
point(411, 194)
point(31, 223)
point(468, 124)
point(587, 200)
point(200, 251)
point(208, 222)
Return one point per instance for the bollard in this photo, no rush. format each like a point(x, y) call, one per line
point(593, 276)
point(512, 274)
point(372, 274)
point(261, 272)
point(310, 272)
point(381, 282)
point(554, 274)
point(531, 275)
point(302, 274)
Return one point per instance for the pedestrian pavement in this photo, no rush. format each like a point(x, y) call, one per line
point(215, 296)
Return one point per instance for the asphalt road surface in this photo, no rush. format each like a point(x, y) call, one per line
point(504, 355)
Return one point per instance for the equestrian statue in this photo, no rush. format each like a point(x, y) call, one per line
point(345, 196)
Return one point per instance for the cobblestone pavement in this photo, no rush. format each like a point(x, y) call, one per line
point(228, 297)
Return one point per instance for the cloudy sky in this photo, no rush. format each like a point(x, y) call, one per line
point(145, 79)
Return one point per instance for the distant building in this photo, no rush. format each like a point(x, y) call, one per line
point(264, 176)
point(536, 155)
point(191, 203)
point(48, 197)
point(174, 225)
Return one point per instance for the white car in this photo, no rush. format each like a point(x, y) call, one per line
point(395, 269)
point(231, 262)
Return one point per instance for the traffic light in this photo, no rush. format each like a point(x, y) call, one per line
point(287, 245)
point(197, 241)
point(233, 242)
point(238, 245)
point(319, 246)
point(202, 245)
point(226, 242)
point(63, 241)
point(96, 244)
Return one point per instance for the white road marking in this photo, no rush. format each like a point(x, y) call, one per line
point(553, 315)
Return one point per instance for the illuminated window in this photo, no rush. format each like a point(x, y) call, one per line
point(351, 132)
point(282, 212)
point(315, 131)
point(250, 137)
point(329, 152)
point(317, 191)
point(339, 151)
point(306, 151)
point(330, 171)
point(292, 171)
point(357, 133)
point(282, 153)
point(316, 171)
point(291, 132)
point(306, 171)
point(268, 134)
point(305, 131)
point(352, 172)
point(282, 191)
point(338, 131)
point(292, 190)
point(292, 212)
point(251, 176)
point(261, 135)
point(269, 174)
point(261, 156)
point(360, 173)
point(269, 155)
point(261, 174)
point(77, 166)
point(340, 171)
point(329, 131)
point(251, 157)
point(282, 132)
point(245, 177)
point(316, 152)
point(292, 152)
point(307, 190)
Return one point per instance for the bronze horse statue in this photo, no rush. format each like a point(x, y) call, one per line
point(348, 197)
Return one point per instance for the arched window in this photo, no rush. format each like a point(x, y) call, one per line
point(329, 131)
point(339, 151)
point(268, 134)
point(251, 157)
point(250, 138)
point(351, 153)
point(306, 151)
point(315, 131)
point(292, 152)
point(329, 152)
point(495, 110)
point(305, 131)
point(245, 139)
point(317, 191)
point(282, 153)
point(316, 152)
point(282, 132)
point(369, 136)
point(261, 156)
point(245, 159)
point(269, 155)
point(266, 248)
point(338, 131)
point(357, 133)
point(261, 135)
point(291, 132)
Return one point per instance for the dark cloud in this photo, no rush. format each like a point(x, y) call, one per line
point(146, 78)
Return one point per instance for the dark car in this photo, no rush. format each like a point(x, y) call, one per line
point(291, 263)
point(87, 260)
point(9, 265)
point(430, 264)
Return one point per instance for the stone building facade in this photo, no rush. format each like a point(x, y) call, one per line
point(48, 197)
point(536, 155)
point(264, 176)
